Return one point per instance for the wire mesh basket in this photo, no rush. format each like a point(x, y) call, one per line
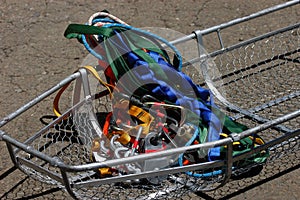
point(259, 87)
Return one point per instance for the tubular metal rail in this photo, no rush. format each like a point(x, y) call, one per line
point(258, 86)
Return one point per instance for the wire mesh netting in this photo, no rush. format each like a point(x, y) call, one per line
point(262, 73)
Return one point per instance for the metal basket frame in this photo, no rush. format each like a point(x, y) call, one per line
point(66, 175)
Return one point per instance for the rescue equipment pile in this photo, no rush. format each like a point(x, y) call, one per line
point(155, 106)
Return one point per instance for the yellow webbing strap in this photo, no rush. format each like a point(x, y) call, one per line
point(258, 141)
point(93, 71)
point(143, 116)
point(225, 136)
point(60, 92)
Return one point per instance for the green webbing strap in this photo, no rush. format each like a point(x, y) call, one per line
point(75, 31)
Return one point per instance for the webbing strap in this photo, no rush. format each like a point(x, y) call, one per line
point(76, 30)
point(93, 71)
point(143, 116)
